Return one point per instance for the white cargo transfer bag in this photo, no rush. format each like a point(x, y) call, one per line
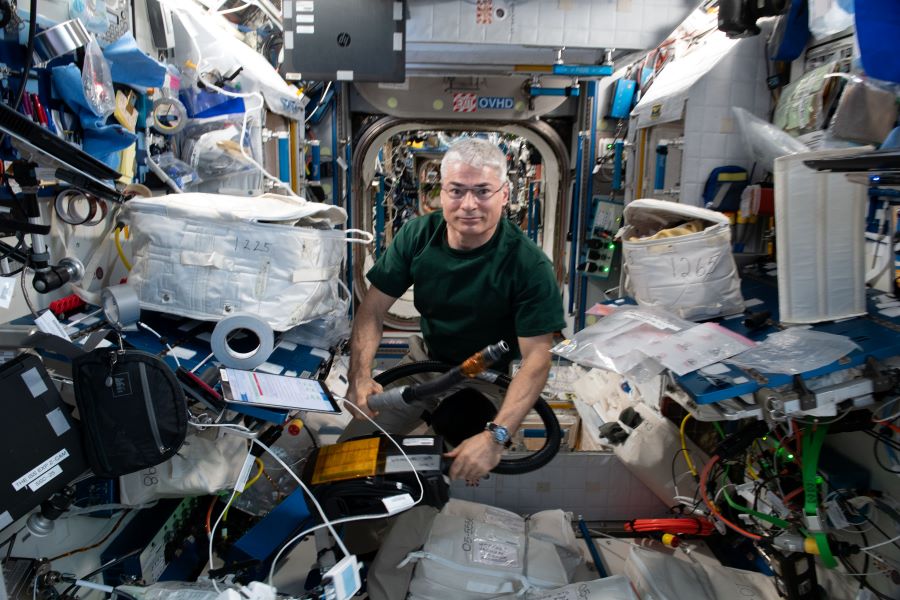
point(209, 256)
point(693, 274)
point(463, 559)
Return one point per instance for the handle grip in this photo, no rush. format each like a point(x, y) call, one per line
point(392, 399)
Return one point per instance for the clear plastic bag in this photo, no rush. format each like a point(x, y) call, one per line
point(622, 341)
point(795, 351)
point(765, 140)
point(96, 79)
point(213, 148)
point(92, 13)
point(829, 18)
point(180, 172)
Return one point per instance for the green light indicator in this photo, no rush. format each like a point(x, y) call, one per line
point(819, 480)
point(790, 457)
point(606, 269)
point(611, 246)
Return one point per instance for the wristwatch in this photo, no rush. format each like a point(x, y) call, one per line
point(499, 434)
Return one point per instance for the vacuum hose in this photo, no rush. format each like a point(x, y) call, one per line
point(507, 466)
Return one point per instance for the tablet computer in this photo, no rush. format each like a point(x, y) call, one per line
point(276, 391)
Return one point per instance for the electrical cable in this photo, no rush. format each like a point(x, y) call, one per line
point(890, 418)
point(120, 251)
point(161, 341)
point(29, 58)
point(754, 513)
point(330, 524)
point(880, 544)
point(680, 526)
point(687, 456)
point(25, 295)
point(704, 476)
point(878, 458)
point(212, 535)
point(103, 567)
point(92, 546)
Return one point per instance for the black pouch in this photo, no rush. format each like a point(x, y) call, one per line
point(132, 410)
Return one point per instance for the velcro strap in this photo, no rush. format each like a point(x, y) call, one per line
point(206, 259)
point(314, 274)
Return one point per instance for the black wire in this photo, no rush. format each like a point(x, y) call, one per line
point(312, 438)
point(863, 581)
point(887, 441)
point(878, 459)
point(29, 53)
point(674, 459)
point(11, 542)
point(102, 568)
point(863, 515)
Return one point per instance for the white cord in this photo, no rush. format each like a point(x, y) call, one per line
point(330, 524)
point(309, 494)
point(203, 362)
point(880, 263)
point(234, 426)
point(880, 544)
point(98, 507)
point(212, 535)
point(160, 338)
point(319, 105)
point(890, 418)
point(235, 9)
point(95, 586)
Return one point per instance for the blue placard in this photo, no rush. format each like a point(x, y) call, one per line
point(496, 103)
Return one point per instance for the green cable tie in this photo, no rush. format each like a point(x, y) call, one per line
point(746, 509)
point(812, 447)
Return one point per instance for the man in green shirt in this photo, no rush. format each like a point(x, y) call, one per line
point(478, 279)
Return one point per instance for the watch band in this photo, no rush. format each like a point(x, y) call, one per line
point(499, 434)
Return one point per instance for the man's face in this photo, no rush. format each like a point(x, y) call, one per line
point(472, 199)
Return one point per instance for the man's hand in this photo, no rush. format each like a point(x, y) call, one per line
point(474, 458)
point(358, 393)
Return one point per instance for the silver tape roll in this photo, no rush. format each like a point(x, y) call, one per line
point(121, 305)
point(234, 359)
point(60, 39)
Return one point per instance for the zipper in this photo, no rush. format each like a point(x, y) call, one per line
point(151, 411)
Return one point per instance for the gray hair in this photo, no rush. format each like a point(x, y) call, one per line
point(475, 152)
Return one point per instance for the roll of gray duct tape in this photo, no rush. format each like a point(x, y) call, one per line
point(121, 305)
point(60, 39)
point(228, 356)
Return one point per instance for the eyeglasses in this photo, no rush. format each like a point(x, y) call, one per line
point(481, 194)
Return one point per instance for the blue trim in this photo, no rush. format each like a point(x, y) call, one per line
point(588, 206)
point(618, 164)
point(573, 220)
point(583, 70)
point(284, 159)
point(379, 212)
point(334, 153)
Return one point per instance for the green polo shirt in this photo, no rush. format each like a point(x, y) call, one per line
point(469, 299)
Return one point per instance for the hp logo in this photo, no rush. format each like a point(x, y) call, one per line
point(343, 39)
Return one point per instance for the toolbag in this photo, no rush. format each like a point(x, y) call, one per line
point(209, 256)
point(692, 274)
point(132, 409)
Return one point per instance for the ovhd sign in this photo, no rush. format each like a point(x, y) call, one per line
point(468, 102)
point(495, 103)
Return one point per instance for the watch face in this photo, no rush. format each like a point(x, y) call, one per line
point(501, 434)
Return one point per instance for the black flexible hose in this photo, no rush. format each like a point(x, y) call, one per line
point(507, 466)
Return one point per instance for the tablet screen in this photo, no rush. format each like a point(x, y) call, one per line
point(277, 391)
